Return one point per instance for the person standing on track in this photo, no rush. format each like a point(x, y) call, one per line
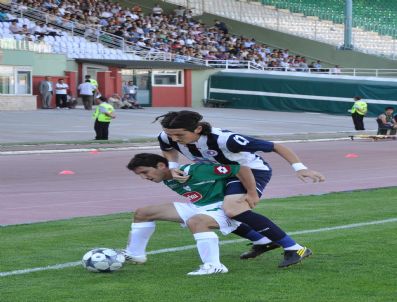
point(103, 115)
point(184, 132)
point(358, 111)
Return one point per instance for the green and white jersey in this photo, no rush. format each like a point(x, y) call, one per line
point(206, 184)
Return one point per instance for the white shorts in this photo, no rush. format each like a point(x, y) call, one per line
point(214, 210)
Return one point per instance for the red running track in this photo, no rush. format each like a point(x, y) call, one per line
point(31, 189)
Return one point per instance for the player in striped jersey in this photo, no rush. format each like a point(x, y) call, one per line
point(185, 132)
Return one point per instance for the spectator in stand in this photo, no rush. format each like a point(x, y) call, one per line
point(157, 11)
point(15, 28)
point(221, 26)
point(39, 29)
point(137, 9)
point(61, 94)
point(303, 65)
point(317, 66)
point(179, 11)
point(4, 17)
point(24, 30)
point(335, 70)
point(188, 14)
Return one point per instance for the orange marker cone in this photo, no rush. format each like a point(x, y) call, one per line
point(66, 172)
point(351, 155)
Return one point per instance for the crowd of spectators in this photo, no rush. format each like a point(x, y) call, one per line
point(178, 33)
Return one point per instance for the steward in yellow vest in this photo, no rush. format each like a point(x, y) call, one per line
point(358, 111)
point(102, 115)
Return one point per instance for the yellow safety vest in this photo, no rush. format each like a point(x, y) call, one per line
point(360, 107)
point(94, 82)
point(100, 116)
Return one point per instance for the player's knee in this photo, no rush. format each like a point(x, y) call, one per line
point(231, 210)
point(196, 224)
point(141, 215)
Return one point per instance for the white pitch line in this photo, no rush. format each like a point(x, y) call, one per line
point(190, 247)
point(77, 150)
point(28, 152)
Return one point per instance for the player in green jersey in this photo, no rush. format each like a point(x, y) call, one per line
point(204, 189)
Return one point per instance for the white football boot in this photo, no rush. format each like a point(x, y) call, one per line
point(209, 269)
point(133, 259)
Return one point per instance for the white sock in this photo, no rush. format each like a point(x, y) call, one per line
point(263, 240)
point(208, 247)
point(139, 237)
point(294, 247)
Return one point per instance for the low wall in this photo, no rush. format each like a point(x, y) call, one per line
point(18, 102)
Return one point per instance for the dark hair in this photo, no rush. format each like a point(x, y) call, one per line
point(184, 119)
point(357, 98)
point(388, 108)
point(146, 160)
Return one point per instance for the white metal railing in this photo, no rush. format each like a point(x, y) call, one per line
point(362, 72)
point(329, 32)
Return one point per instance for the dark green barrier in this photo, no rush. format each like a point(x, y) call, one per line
point(280, 91)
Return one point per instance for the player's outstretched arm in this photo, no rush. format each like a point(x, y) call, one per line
point(301, 170)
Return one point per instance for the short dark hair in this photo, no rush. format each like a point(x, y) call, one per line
point(357, 98)
point(146, 160)
point(388, 108)
point(184, 119)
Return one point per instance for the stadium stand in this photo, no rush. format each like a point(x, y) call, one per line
point(316, 20)
point(105, 30)
point(369, 14)
point(177, 36)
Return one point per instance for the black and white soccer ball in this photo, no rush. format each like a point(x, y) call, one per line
point(102, 260)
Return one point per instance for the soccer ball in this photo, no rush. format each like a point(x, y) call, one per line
point(101, 260)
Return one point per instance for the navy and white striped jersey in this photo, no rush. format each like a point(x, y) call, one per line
point(223, 147)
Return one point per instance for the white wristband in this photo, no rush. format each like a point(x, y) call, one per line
point(173, 165)
point(298, 166)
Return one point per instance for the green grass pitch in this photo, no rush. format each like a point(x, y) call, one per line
point(350, 264)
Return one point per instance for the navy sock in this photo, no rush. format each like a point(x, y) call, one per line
point(261, 224)
point(247, 232)
point(287, 241)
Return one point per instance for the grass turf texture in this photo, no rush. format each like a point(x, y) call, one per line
point(348, 265)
